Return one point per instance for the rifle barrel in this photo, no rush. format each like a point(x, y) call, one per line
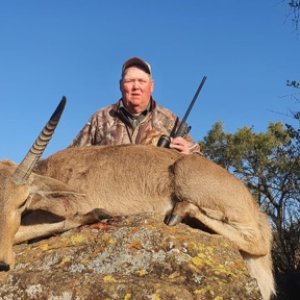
point(194, 100)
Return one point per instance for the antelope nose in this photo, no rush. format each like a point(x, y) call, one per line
point(4, 267)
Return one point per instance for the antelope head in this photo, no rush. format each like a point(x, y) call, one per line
point(15, 188)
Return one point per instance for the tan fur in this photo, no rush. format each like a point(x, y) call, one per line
point(12, 196)
point(124, 180)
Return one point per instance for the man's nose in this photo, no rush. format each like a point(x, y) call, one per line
point(135, 85)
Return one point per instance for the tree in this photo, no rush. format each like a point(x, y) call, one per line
point(269, 164)
point(294, 6)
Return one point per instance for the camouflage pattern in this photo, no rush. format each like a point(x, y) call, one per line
point(110, 126)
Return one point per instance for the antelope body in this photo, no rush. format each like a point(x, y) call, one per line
point(76, 186)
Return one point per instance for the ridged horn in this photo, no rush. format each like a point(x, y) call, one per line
point(24, 169)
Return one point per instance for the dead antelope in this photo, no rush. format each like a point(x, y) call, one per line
point(79, 185)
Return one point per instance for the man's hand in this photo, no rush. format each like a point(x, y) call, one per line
point(180, 144)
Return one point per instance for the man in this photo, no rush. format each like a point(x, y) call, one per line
point(136, 118)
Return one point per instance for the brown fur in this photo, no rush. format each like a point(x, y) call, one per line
point(124, 180)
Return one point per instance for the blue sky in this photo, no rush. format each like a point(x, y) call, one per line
point(247, 49)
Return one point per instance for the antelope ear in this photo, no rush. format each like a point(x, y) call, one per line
point(61, 203)
point(54, 196)
point(44, 185)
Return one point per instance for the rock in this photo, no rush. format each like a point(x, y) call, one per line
point(128, 258)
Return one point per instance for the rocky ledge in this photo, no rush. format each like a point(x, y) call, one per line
point(128, 258)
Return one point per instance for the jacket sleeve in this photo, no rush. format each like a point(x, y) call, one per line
point(86, 136)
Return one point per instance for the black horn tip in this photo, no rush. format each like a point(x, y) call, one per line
point(59, 109)
point(62, 104)
point(63, 100)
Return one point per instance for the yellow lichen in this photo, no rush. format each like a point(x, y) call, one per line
point(77, 239)
point(199, 247)
point(109, 279)
point(156, 296)
point(197, 261)
point(107, 240)
point(127, 296)
point(73, 240)
point(112, 241)
point(202, 259)
point(64, 260)
point(44, 246)
point(198, 292)
point(141, 272)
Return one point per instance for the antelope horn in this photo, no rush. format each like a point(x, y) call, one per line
point(24, 169)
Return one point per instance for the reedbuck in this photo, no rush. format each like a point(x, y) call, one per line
point(76, 186)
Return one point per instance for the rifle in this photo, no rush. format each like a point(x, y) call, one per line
point(183, 129)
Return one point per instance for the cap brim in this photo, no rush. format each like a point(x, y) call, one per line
point(138, 62)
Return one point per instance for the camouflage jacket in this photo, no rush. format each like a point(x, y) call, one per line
point(111, 126)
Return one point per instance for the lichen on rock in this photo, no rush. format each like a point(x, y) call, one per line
point(137, 257)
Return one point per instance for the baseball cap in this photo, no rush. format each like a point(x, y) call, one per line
point(136, 61)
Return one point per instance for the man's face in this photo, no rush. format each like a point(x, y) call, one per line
point(136, 87)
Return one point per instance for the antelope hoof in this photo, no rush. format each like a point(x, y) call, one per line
point(101, 214)
point(4, 267)
point(172, 220)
